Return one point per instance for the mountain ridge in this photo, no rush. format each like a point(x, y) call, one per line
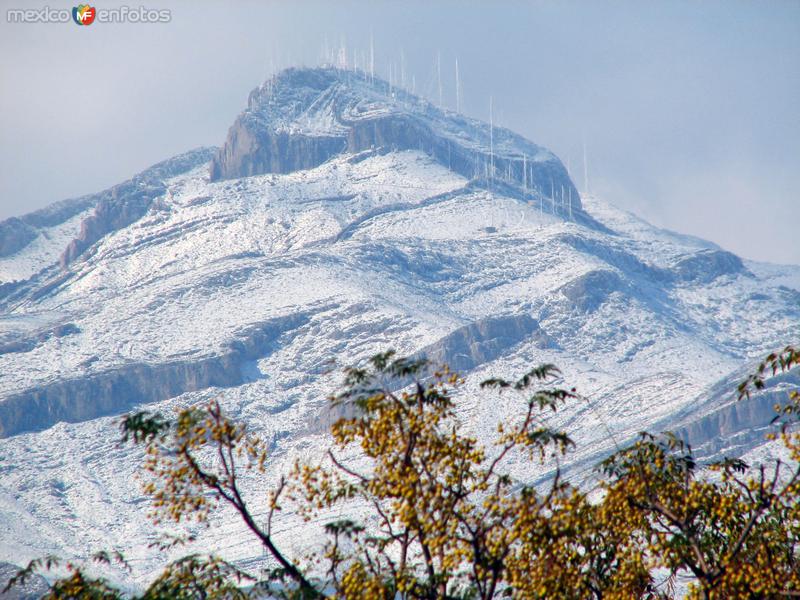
point(245, 289)
point(300, 118)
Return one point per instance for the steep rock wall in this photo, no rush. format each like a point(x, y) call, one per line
point(116, 390)
point(303, 117)
point(128, 202)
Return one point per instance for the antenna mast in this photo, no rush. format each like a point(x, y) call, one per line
point(439, 74)
point(491, 139)
point(343, 55)
point(371, 58)
point(525, 173)
point(541, 203)
point(402, 69)
point(585, 172)
point(570, 203)
point(458, 89)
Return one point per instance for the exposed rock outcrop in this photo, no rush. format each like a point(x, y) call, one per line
point(461, 350)
point(15, 234)
point(125, 204)
point(588, 291)
point(58, 212)
point(482, 341)
point(734, 428)
point(303, 117)
point(128, 202)
point(116, 390)
point(722, 425)
point(705, 266)
point(27, 344)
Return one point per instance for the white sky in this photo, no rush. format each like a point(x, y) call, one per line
point(689, 109)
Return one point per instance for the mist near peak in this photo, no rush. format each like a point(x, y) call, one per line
point(687, 110)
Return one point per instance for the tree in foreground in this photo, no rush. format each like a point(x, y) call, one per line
point(445, 518)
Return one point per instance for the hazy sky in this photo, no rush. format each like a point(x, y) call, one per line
point(690, 110)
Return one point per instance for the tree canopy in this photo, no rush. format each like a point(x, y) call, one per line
point(446, 519)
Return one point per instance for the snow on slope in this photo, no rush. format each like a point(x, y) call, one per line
point(43, 251)
point(255, 290)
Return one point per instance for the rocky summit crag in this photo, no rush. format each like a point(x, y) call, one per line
point(341, 218)
point(302, 117)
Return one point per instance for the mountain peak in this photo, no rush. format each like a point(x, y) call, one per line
point(300, 118)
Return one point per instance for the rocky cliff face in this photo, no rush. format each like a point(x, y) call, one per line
point(129, 201)
point(15, 234)
point(116, 390)
point(719, 424)
point(706, 266)
point(67, 229)
point(485, 340)
point(302, 118)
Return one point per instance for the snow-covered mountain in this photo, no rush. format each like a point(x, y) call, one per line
point(340, 218)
